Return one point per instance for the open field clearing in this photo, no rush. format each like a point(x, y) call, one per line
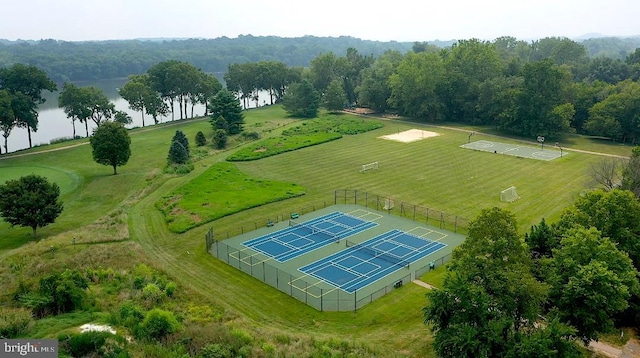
point(433, 172)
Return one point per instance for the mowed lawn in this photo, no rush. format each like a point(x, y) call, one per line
point(433, 172)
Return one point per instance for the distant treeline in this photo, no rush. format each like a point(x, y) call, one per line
point(82, 61)
point(79, 61)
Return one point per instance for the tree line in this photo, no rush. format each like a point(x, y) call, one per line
point(89, 61)
point(546, 88)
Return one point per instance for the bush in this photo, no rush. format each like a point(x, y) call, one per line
point(220, 138)
point(170, 288)
point(57, 293)
point(14, 322)
point(216, 350)
point(158, 324)
point(152, 293)
point(200, 139)
point(250, 135)
point(130, 314)
point(174, 168)
point(83, 344)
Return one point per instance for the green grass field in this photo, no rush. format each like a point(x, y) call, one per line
point(433, 172)
point(66, 180)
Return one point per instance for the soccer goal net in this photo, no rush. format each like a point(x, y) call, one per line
point(509, 194)
point(369, 166)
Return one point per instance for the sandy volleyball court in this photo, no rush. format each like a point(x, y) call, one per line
point(411, 135)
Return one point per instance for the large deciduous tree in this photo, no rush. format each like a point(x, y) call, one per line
point(616, 214)
point(137, 93)
point(541, 93)
point(618, 115)
point(301, 100)
point(490, 300)
point(208, 85)
point(225, 105)
point(6, 117)
point(592, 281)
point(29, 81)
point(30, 201)
point(102, 108)
point(374, 89)
point(414, 86)
point(75, 103)
point(467, 64)
point(334, 98)
point(241, 79)
point(631, 173)
point(111, 145)
point(84, 104)
point(162, 80)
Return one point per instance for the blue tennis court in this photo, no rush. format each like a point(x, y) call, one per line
point(361, 264)
point(300, 238)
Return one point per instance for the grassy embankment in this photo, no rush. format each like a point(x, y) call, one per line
point(120, 210)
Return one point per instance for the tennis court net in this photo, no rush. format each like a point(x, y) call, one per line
point(312, 230)
point(379, 254)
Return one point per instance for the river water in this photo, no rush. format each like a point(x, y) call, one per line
point(53, 122)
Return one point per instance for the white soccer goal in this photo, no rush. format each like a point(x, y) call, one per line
point(369, 166)
point(510, 194)
point(388, 204)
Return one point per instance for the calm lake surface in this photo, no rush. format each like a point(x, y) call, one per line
point(53, 122)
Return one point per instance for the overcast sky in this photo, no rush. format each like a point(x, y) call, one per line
point(399, 20)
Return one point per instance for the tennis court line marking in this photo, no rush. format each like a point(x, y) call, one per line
point(365, 215)
point(362, 261)
point(425, 237)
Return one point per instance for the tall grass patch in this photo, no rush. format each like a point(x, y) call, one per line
point(308, 133)
point(220, 191)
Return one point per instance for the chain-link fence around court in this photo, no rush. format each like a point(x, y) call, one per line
point(417, 213)
point(318, 293)
point(306, 288)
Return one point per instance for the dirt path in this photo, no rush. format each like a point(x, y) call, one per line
point(424, 284)
point(605, 349)
point(9, 156)
point(146, 129)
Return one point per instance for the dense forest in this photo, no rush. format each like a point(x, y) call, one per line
point(78, 61)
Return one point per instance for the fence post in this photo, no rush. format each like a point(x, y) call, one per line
point(355, 300)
